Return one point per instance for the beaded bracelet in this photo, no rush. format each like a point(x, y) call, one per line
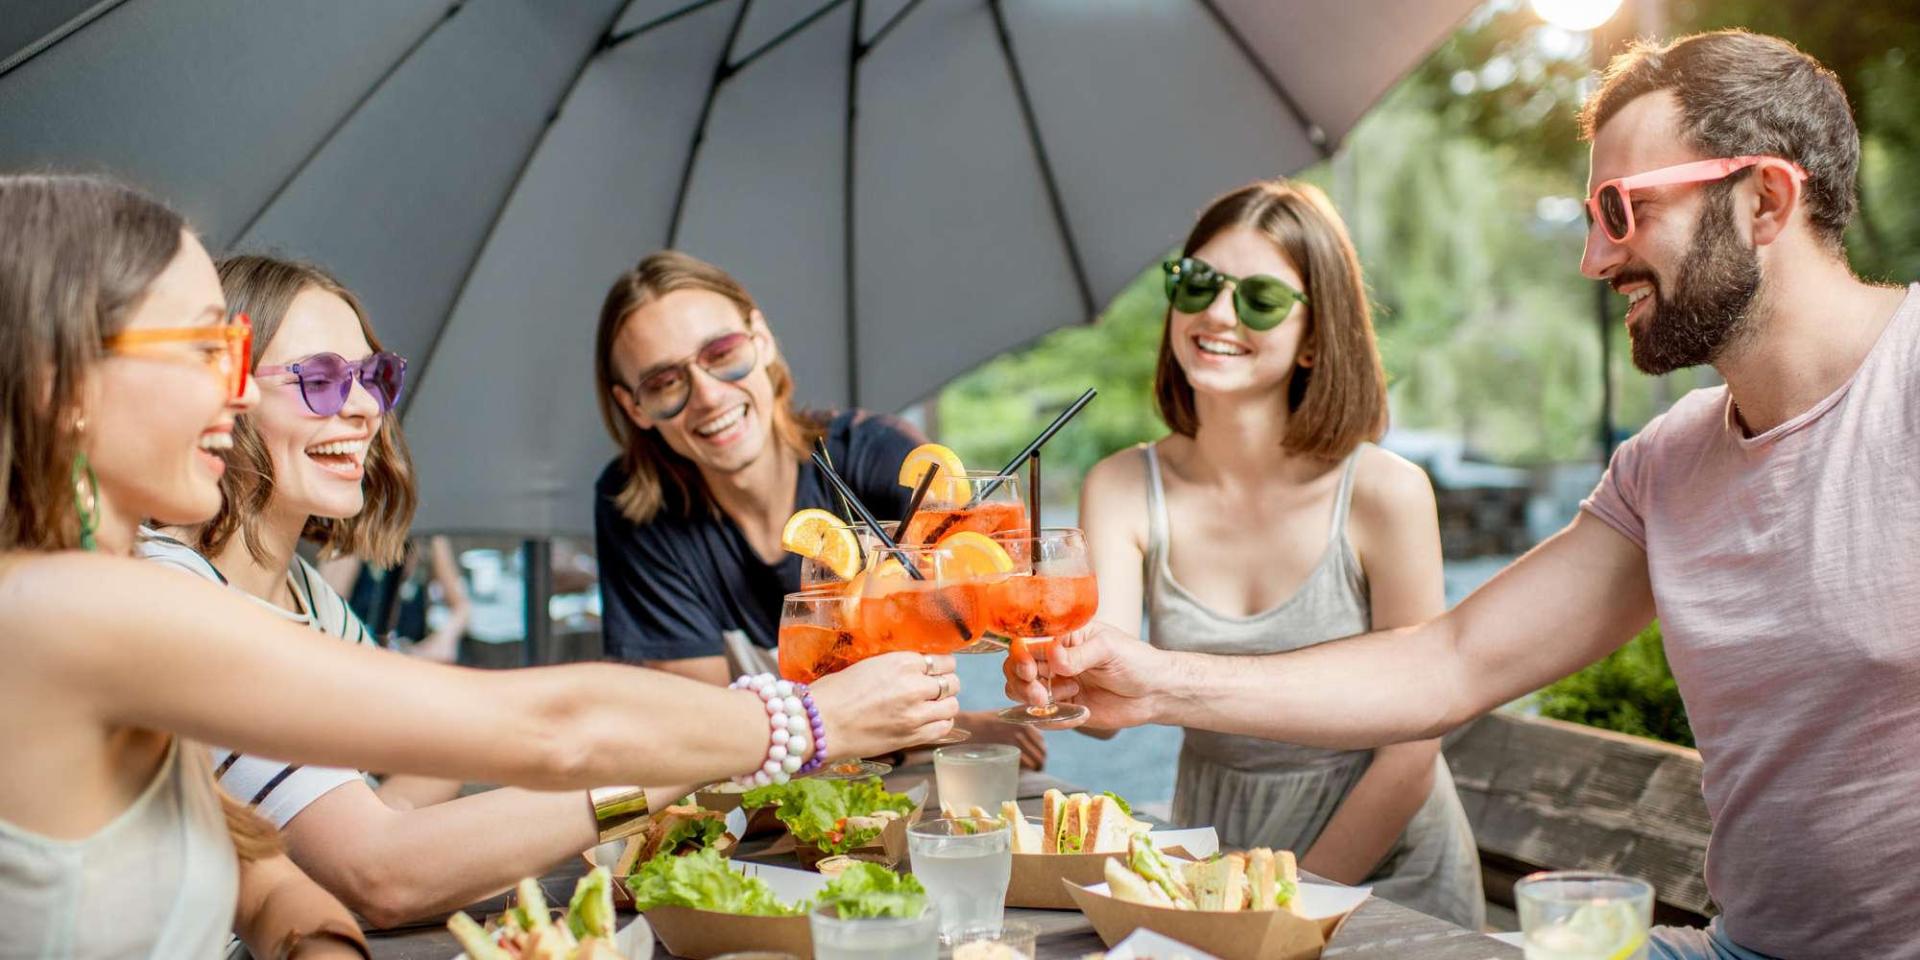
point(794, 726)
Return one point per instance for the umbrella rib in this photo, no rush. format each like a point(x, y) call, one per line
point(885, 28)
point(1315, 134)
point(340, 124)
point(721, 71)
point(500, 209)
point(1054, 199)
point(850, 243)
point(57, 34)
point(615, 39)
point(783, 36)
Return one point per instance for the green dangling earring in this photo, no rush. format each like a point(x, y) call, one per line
point(86, 499)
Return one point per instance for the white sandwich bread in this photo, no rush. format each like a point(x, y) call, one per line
point(1081, 823)
point(1259, 879)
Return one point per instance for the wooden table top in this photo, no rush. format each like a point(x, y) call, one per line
point(1379, 930)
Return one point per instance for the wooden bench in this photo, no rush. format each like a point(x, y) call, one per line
point(1548, 795)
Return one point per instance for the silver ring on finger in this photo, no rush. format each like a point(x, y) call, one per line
point(927, 658)
point(943, 687)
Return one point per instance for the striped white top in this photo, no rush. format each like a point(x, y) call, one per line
point(278, 789)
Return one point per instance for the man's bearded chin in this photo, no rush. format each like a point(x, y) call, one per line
point(1712, 299)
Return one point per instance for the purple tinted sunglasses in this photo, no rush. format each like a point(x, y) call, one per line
point(327, 378)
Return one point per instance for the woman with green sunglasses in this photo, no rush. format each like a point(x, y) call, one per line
point(1269, 521)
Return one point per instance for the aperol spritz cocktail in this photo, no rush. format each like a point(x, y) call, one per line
point(983, 502)
point(1051, 591)
point(943, 612)
point(819, 634)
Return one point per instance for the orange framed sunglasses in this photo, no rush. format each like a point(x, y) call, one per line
point(233, 343)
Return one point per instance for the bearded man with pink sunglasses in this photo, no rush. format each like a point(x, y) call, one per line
point(1772, 524)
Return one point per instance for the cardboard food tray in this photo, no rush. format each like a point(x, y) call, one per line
point(759, 823)
point(1244, 935)
point(1038, 879)
point(701, 934)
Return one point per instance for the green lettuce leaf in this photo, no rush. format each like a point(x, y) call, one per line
point(815, 811)
point(704, 833)
point(1125, 807)
point(704, 881)
point(1284, 891)
point(867, 890)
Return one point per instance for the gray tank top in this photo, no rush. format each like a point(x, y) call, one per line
point(159, 881)
point(1332, 603)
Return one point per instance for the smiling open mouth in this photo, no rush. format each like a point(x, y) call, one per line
point(721, 423)
point(1219, 348)
point(341, 455)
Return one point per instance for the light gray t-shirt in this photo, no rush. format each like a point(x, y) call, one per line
point(279, 790)
point(1786, 570)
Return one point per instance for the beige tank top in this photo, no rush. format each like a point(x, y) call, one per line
point(1333, 602)
point(160, 880)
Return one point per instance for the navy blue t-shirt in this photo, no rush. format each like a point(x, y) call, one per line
point(671, 586)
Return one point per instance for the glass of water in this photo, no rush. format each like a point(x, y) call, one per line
point(1584, 916)
point(875, 938)
point(982, 775)
point(964, 863)
point(1015, 935)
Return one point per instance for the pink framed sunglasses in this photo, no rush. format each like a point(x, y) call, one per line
point(1612, 202)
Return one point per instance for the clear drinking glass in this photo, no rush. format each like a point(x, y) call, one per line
point(877, 938)
point(1584, 916)
point(977, 775)
point(964, 863)
point(1016, 935)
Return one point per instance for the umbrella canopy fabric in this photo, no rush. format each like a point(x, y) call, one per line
point(908, 186)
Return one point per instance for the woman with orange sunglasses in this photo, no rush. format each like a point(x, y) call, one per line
point(111, 322)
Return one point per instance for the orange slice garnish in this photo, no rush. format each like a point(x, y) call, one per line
point(822, 537)
point(950, 486)
point(973, 554)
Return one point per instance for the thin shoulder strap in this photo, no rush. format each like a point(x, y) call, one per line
point(1157, 525)
point(1343, 501)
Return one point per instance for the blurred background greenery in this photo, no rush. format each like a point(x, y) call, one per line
point(1462, 191)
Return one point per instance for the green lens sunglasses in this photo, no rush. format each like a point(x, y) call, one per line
point(1260, 301)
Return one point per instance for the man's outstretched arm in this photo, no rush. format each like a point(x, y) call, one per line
point(1570, 601)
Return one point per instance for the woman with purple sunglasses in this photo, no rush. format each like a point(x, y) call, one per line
point(320, 458)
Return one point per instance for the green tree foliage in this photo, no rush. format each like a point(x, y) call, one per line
point(1629, 690)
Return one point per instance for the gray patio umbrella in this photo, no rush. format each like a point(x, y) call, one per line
point(908, 186)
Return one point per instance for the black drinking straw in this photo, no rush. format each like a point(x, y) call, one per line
point(919, 494)
point(1034, 447)
point(866, 516)
point(1033, 502)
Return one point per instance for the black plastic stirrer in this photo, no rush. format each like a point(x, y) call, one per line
point(1034, 447)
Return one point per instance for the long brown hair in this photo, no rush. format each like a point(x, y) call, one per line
point(1341, 400)
point(76, 256)
point(264, 289)
point(650, 465)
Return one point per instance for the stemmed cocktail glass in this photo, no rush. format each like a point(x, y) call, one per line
point(1051, 592)
point(818, 636)
point(981, 501)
